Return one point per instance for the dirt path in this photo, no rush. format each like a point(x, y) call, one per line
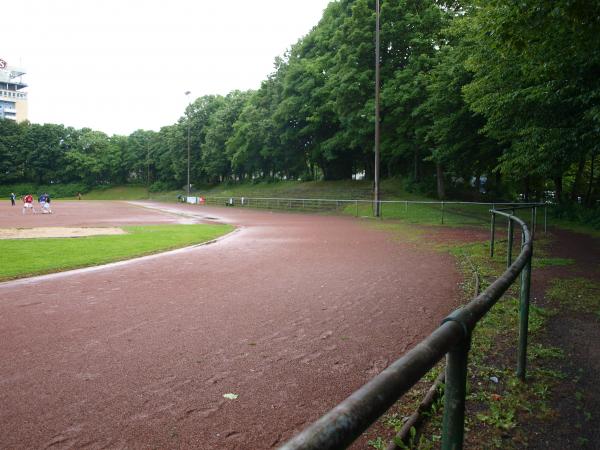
point(576, 399)
point(292, 313)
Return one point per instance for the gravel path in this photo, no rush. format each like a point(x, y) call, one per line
point(291, 313)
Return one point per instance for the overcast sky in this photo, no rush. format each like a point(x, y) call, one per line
point(120, 65)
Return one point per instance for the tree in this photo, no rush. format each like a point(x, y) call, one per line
point(535, 67)
point(216, 160)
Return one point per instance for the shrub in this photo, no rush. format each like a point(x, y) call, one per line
point(575, 212)
point(161, 186)
point(54, 190)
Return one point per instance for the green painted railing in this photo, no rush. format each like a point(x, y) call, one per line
point(348, 420)
point(442, 212)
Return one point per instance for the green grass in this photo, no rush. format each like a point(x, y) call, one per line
point(576, 294)
point(428, 214)
point(341, 190)
point(117, 193)
point(576, 227)
point(494, 410)
point(26, 257)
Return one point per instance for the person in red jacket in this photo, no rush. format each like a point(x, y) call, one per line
point(28, 203)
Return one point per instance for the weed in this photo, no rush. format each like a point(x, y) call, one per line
point(496, 400)
point(377, 443)
point(577, 294)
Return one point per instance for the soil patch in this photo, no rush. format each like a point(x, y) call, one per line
point(576, 400)
point(57, 232)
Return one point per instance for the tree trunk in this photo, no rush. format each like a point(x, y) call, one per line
point(588, 195)
point(558, 186)
point(416, 164)
point(578, 177)
point(441, 191)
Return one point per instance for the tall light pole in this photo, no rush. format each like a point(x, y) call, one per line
point(188, 147)
point(377, 88)
point(148, 168)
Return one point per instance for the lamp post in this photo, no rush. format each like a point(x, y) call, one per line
point(188, 147)
point(148, 168)
point(377, 88)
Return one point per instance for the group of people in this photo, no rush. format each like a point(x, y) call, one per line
point(43, 200)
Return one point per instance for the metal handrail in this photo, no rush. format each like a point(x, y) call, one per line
point(349, 419)
point(425, 202)
point(288, 203)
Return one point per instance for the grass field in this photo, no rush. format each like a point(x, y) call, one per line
point(26, 257)
point(118, 193)
point(339, 190)
point(344, 190)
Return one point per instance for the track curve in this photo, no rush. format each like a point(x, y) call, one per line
point(291, 313)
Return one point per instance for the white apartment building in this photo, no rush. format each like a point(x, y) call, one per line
point(13, 100)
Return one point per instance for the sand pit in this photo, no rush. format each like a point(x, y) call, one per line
point(56, 232)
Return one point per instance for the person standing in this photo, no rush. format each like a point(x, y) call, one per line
point(12, 198)
point(28, 203)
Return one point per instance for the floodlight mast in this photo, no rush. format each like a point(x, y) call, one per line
point(188, 147)
point(377, 210)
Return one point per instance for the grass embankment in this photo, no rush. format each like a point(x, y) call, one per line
point(429, 213)
point(117, 193)
point(392, 189)
point(498, 404)
point(26, 257)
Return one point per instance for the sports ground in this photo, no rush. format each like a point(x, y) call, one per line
point(290, 313)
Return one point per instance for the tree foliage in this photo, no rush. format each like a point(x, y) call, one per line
point(479, 97)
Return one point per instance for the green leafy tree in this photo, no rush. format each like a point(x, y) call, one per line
point(535, 72)
point(216, 160)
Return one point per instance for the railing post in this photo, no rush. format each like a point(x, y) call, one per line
point(510, 242)
point(406, 206)
point(454, 396)
point(493, 234)
point(442, 213)
point(545, 218)
point(356, 208)
point(524, 315)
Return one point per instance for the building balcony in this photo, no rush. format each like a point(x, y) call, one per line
point(13, 95)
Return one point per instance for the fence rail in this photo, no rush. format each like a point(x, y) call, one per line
point(348, 420)
point(443, 212)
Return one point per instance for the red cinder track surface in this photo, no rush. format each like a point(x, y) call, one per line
point(292, 313)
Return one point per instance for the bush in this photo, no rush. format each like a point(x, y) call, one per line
point(54, 190)
point(575, 212)
point(161, 186)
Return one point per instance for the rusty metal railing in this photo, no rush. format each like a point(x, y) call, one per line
point(442, 211)
point(348, 420)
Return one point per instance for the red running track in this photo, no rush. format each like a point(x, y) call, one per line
point(292, 313)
